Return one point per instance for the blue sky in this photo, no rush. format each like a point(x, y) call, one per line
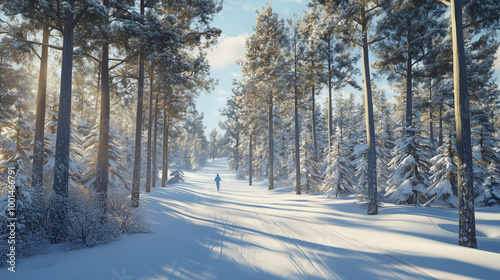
point(236, 21)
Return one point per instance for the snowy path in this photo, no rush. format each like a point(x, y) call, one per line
point(247, 232)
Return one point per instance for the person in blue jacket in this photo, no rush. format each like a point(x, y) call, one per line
point(217, 181)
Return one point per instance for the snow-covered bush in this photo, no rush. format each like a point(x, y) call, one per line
point(30, 236)
point(85, 226)
point(241, 172)
point(176, 176)
point(130, 220)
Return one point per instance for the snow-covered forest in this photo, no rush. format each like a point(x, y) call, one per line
point(379, 102)
point(97, 100)
point(402, 152)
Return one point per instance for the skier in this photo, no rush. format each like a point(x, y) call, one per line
point(217, 181)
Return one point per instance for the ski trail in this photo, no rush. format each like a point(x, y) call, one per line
point(254, 237)
point(395, 267)
point(248, 232)
point(309, 269)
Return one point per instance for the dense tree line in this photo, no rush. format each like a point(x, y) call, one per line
point(419, 149)
point(97, 100)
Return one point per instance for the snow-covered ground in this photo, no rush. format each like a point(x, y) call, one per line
point(248, 232)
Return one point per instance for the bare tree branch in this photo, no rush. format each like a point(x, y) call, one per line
point(42, 44)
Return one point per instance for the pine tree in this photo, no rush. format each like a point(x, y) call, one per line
point(213, 145)
point(482, 15)
point(338, 61)
point(358, 15)
point(233, 132)
point(385, 139)
point(491, 187)
point(136, 181)
point(443, 188)
point(410, 164)
point(338, 174)
point(264, 61)
point(409, 30)
point(310, 169)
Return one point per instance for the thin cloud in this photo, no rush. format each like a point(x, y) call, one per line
point(227, 51)
point(236, 75)
point(250, 8)
point(223, 92)
point(222, 100)
point(295, 1)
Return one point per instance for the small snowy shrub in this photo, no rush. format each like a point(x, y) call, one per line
point(241, 173)
point(85, 227)
point(130, 220)
point(176, 176)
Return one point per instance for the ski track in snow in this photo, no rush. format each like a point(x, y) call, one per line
point(247, 232)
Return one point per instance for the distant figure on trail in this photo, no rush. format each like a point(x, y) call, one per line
point(217, 181)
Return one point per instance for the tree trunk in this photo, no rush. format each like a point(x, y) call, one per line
point(440, 136)
point(313, 129)
point(164, 175)
point(101, 185)
point(237, 149)
point(98, 87)
point(136, 178)
point(155, 141)
point(409, 82)
point(61, 172)
point(38, 147)
point(409, 92)
point(330, 108)
point(271, 143)
point(250, 160)
point(370, 128)
point(431, 117)
point(150, 127)
point(297, 144)
point(465, 175)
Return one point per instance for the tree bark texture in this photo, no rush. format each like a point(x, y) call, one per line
point(431, 116)
point(136, 179)
point(271, 142)
point(465, 175)
point(330, 107)
point(164, 175)
point(150, 127)
point(38, 147)
point(297, 144)
point(370, 128)
point(440, 136)
point(61, 172)
point(155, 141)
point(313, 128)
point(101, 185)
point(409, 90)
point(250, 161)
